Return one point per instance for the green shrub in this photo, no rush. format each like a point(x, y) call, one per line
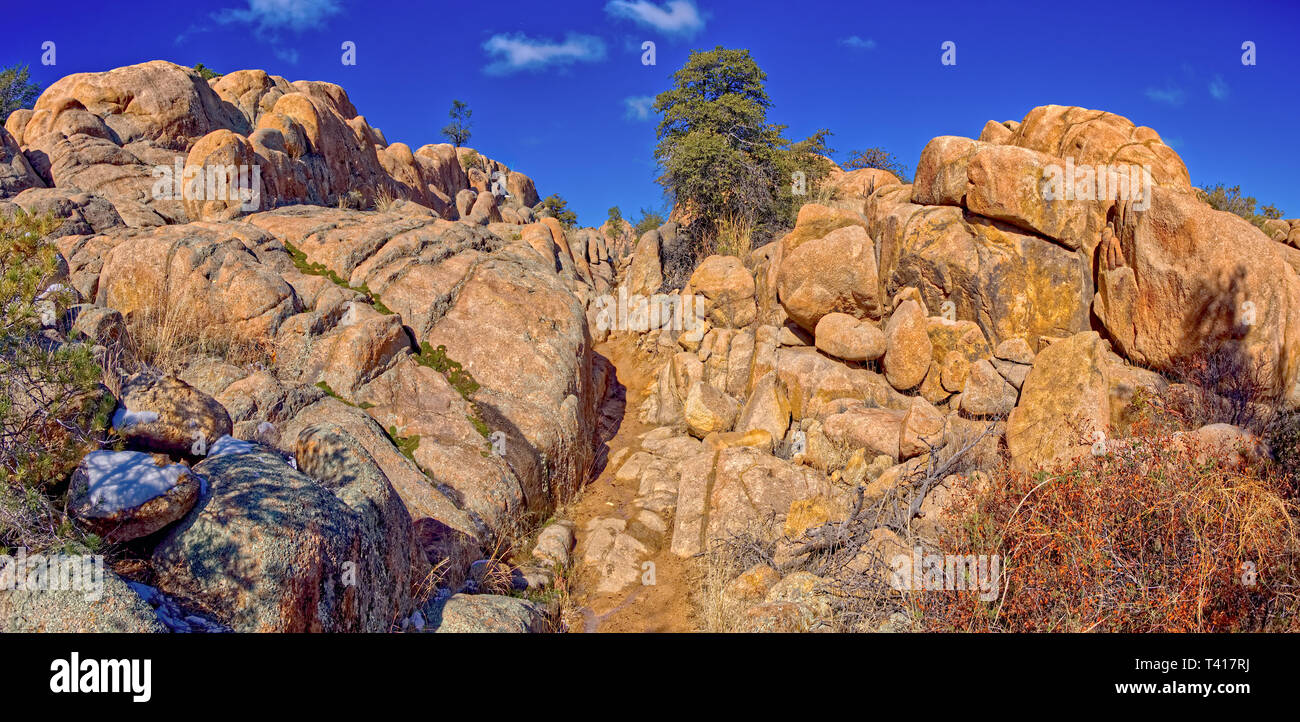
point(53, 408)
point(15, 90)
point(615, 223)
point(877, 158)
point(558, 208)
point(1223, 198)
point(51, 400)
point(650, 220)
point(457, 131)
point(205, 72)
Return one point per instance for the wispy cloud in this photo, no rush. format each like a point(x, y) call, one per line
point(675, 17)
point(1170, 95)
point(639, 107)
point(1218, 88)
point(858, 43)
point(268, 18)
point(288, 55)
point(513, 53)
point(272, 16)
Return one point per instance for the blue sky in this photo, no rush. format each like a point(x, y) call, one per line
point(555, 86)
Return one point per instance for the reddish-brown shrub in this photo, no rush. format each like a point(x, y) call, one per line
point(1146, 538)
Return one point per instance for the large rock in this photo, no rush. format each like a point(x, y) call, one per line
point(848, 338)
point(986, 392)
point(740, 491)
point(836, 272)
point(271, 549)
point(484, 614)
point(124, 495)
point(879, 431)
point(167, 415)
point(907, 346)
point(708, 410)
point(1009, 183)
point(114, 608)
point(1181, 279)
point(198, 275)
point(955, 345)
point(16, 174)
point(1010, 282)
point(941, 178)
point(729, 288)
point(106, 132)
point(450, 523)
point(645, 274)
point(1064, 403)
point(1095, 137)
point(817, 385)
point(768, 408)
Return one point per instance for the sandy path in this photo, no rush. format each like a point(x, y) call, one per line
point(664, 606)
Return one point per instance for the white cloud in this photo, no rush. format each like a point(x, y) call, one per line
point(1218, 88)
point(288, 55)
point(639, 107)
point(858, 43)
point(520, 52)
point(675, 17)
point(1170, 95)
point(272, 16)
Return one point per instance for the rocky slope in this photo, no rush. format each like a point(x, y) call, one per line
point(901, 328)
point(282, 354)
point(329, 411)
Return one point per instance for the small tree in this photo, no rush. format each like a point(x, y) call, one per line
point(557, 208)
point(457, 131)
point(205, 72)
point(615, 223)
point(650, 220)
point(725, 165)
point(51, 404)
point(877, 158)
point(16, 90)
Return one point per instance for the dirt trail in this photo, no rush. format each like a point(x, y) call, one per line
point(664, 606)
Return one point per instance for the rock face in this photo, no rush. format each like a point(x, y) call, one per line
point(484, 614)
point(113, 609)
point(739, 491)
point(1181, 279)
point(379, 393)
point(272, 549)
point(729, 288)
point(106, 133)
point(645, 275)
point(845, 337)
point(907, 346)
point(16, 174)
point(1064, 401)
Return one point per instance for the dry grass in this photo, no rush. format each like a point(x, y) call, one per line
point(166, 333)
point(385, 200)
point(733, 236)
point(720, 565)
